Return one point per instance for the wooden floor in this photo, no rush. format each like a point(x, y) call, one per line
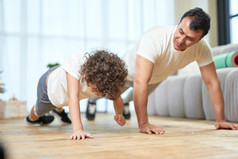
point(183, 139)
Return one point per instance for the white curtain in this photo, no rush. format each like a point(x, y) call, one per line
point(234, 21)
point(34, 33)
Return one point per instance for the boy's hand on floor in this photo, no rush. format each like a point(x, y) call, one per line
point(225, 125)
point(120, 119)
point(80, 134)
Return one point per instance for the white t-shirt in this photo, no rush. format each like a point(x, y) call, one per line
point(156, 45)
point(57, 83)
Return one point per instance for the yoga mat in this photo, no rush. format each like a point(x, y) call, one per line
point(226, 60)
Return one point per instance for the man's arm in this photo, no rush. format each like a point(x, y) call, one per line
point(74, 109)
point(118, 106)
point(213, 85)
point(143, 73)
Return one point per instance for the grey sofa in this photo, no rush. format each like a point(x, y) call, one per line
point(186, 96)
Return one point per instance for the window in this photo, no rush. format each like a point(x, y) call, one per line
point(227, 21)
point(234, 21)
point(36, 33)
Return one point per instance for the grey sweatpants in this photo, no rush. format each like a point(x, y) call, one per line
point(43, 104)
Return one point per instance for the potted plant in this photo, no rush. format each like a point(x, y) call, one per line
point(2, 90)
point(52, 65)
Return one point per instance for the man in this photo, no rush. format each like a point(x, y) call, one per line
point(165, 49)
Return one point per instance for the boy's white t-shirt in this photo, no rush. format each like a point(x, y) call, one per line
point(57, 83)
point(156, 45)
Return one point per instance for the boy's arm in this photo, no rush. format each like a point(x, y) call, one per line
point(74, 109)
point(118, 107)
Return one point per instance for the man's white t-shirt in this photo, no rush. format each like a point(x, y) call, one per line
point(57, 83)
point(156, 45)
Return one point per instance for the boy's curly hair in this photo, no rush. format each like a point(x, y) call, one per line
point(106, 71)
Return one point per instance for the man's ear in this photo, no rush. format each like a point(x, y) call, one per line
point(201, 38)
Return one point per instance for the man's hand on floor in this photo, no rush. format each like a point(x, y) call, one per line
point(80, 135)
point(225, 125)
point(150, 129)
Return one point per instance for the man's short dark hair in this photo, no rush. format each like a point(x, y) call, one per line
point(200, 20)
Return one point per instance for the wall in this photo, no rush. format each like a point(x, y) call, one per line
point(209, 6)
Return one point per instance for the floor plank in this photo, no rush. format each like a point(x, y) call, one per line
point(184, 138)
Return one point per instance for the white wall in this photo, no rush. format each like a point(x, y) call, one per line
point(29, 40)
point(209, 6)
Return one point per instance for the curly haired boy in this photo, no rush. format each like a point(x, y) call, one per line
point(81, 76)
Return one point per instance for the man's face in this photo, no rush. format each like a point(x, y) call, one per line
point(184, 37)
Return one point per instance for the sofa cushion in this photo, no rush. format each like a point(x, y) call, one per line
point(160, 99)
point(231, 96)
point(224, 49)
point(207, 104)
point(151, 106)
point(193, 97)
point(175, 96)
